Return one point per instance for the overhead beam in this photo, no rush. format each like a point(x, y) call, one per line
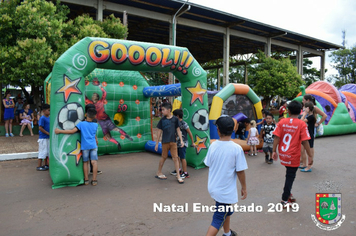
point(313, 51)
point(87, 3)
point(115, 7)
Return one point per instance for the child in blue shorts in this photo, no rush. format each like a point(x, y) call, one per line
point(184, 128)
point(226, 161)
point(89, 144)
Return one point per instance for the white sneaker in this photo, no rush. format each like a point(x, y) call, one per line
point(286, 204)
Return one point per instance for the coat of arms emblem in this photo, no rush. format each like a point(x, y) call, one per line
point(328, 211)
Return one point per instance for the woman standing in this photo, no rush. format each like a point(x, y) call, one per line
point(9, 113)
point(317, 111)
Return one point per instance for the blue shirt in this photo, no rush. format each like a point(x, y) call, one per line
point(44, 122)
point(88, 132)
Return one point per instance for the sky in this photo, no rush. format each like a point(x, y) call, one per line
point(321, 19)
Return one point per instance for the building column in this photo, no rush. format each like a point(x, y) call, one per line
point(226, 62)
point(268, 46)
point(218, 76)
point(322, 66)
point(171, 42)
point(124, 21)
point(171, 28)
point(99, 11)
point(246, 74)
point(300, 60)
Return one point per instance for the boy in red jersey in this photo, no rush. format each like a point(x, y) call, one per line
point(104, 120)
point(289, 134)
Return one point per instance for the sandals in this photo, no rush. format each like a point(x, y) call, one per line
point(93, 182)
point(180, 181)
point(161, 177)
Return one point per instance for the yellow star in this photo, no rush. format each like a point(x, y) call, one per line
point(69, 87)
point(197, 93)
point(77, 153)
point(200, 143)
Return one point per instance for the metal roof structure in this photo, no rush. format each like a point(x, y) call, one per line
point(201, 29)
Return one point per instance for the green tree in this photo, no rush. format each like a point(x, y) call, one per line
point(270, 77)
point(156, 78)
point(345, 64)
point(34, 33)
point(310, 74)
point(236, 73)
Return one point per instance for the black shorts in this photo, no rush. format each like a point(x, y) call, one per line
point(311, 142)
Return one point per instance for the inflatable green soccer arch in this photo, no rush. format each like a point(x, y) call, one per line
point(68, 93)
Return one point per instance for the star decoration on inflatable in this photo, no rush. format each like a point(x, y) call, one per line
point(197, 93)
point(77, 153)
point(69, 87)
point(200, 143)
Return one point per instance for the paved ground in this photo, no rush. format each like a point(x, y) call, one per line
point(122, 203)
point(18, 144)
point(23, 144)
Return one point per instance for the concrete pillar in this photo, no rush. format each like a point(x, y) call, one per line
point(322, 66)
point(268, 47)
point(171, 32)
point(246, 76)
point(124, 21)
point(171, 42)
point(226, 58)
point(300, 60)
point(124, 18)
point(218, 76)
point(99, 11)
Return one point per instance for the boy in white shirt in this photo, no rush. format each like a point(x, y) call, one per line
point(226, 161)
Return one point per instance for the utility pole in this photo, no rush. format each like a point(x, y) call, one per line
point(344, 38)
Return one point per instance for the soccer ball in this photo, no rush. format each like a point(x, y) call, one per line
point(119, 119)
point(70, 115)
point(200, 120)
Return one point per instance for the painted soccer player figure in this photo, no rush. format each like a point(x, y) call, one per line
point(104, 120)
